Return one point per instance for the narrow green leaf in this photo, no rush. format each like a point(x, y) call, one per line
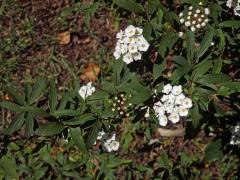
point(230, 23)
point(16, 124)
point(93, 133)
point(11, 106)
point(213, 151)
point(37, 111)
point(19, 99)
point(202, 68)
point(38, 90)
point(130, 5)
point(217, 65)
point(147, 31)
point(50, 129)
point(53, 96)
point(190, 40)
point(195, 115)
point(66, 112)
point(29, 124)
point(206, 42)
point(213, 79)
point(79, 120)
point(78, 140)
point(158, 69)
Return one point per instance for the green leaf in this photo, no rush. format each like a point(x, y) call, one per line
point(190, 40)
point(66, 112)
point(195, 115)
point(217, 65)
point(230, 23)
point(164, 161)
point(147, 31)
point(11, 106)
point(19, 99)
point(115, 162)
point(78, 140)
point(9, 166)
point(93, 133)
point(29, 124)
point(158, 69)
point(50, 129)
point(79, 120)
point(37, 111)
point(16, 124)
point(38, 90)
point(201, 69)
point(213, 79)
point(213, 151)
point(167, 43)
point(130, 5)
point(53, 96)
point(206, 42)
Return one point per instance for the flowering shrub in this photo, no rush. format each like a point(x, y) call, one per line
point(160, 112)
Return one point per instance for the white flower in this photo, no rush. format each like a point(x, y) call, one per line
point(198, 26)
point(132, 48)
point(167, 89)
point(206, 11)
point(190, 8)
point(86, 90)
point(187, 23)
point(181, 14)
point(171, 99)
point(111, 144)
point(129, 40)
point(212, 43)
point(189, 17)
point(229, 3)
point(182, 111)
point(120, 35)
point(200, 3)
point(195, 15)
point(206, 20)
point(117, 54)
point(162, 120)
point(147, 114)
point(139, 31)
point(127, 58)
point(124, 48)
point(197, 11)
point(159, 109)
point(174, 118)
point(130, 31)
point(137, 56)
point(100, 135)
point(169, 108)
point(179, 99)
point(193, 29)
point(189, 13)
point(193, 22)
point(187, 103)
point(180, 34)
point(177, 90)
point(143, 46)
point(164, 98)
point(203, 24)
point(199, 19)
point(182, 20)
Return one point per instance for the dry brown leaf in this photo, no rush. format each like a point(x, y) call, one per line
point(64, 38)
point(90, 72)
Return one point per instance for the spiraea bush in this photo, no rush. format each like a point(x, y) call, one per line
point(171, 80)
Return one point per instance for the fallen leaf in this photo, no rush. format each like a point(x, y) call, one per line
point(90, 73)
point(64, 38)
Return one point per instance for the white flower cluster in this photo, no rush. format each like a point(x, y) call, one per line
point(235, 139)
point(130, 44)
point(109, 143)
point(195, 18)
point(86, 90)
point(234, 4)
point(172, 106)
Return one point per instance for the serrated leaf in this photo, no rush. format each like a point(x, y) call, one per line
point(158, 69)
point(190, 40)
point(11, 106)
point(17, 98)
point(52, 96)
point(201, 69)
point(50, 129)
point(78, 140)
point(130, 5)
point(16, 124)
point(66, 112)
point(37, 111)
point(38, 90)
point(93, 133)
point(147, 31)
point(213, 79)
point(213, 151)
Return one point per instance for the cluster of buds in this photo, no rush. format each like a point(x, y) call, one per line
point(121, 105)
point(235, 138)
point(194, 18)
